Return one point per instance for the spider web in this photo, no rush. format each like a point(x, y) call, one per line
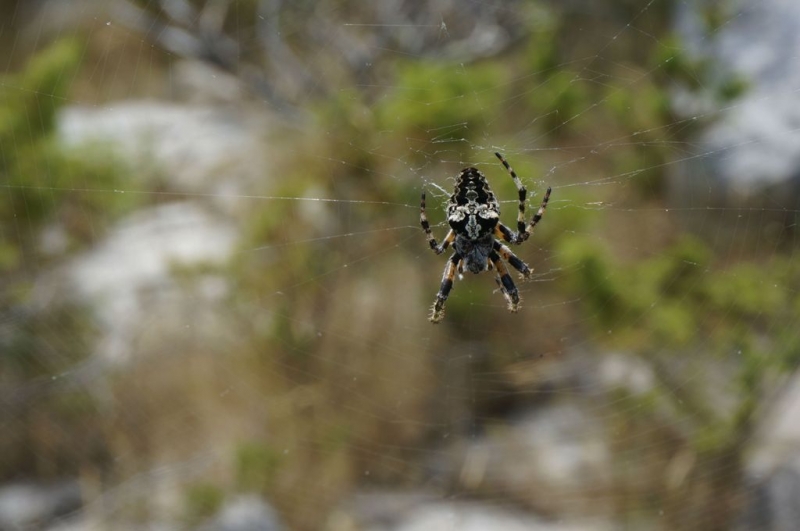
point(215, 311)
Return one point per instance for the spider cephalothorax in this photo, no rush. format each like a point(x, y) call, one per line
point(473, 214)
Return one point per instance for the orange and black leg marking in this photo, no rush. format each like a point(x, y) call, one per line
point(523, 268)
point(423, 220)
point(523, 232)
point(507, 286)
point(504, 233)
point(437, 312)
point(538, 216)
point(523, 193)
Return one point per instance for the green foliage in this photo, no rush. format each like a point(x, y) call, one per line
point(442, 102)
point(641, 111)
point(31, 346)
point(201, 501)
point(747, 292)
point(730, 329)
point(679, 297)
point(593, 279)
point(542, 50)
point(30, 99)
point(45, 185)
point(256, 466)
point(45, 182)
point(716, 336)
point(73, 187)
point(559, 103)
point(9, 256)
point(555, 93)
point(674, 66)
point(732, 88)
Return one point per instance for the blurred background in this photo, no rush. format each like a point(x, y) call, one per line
point(215, 290)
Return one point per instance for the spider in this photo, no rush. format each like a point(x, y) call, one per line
point(473, 213)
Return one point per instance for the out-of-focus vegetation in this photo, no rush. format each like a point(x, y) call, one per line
point(330, 376)
point(46, 187)
point(675, 304)
point(720, 336)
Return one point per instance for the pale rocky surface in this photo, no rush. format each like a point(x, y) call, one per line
point(245, 512)
point(25, 504)
point(398, 511)
point(754, 140)
point(218, 153)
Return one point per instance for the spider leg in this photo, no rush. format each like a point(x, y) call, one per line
point(504, 233)
point(523, 232)
point(437, 312)
point(523, 268)
point(523, 192)
point(423, 220)
point(538, 216)
point(507, 286)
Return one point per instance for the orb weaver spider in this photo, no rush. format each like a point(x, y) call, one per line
point(473, 214)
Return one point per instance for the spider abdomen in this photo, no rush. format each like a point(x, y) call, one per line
point(473, 221)
point(473, 214)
